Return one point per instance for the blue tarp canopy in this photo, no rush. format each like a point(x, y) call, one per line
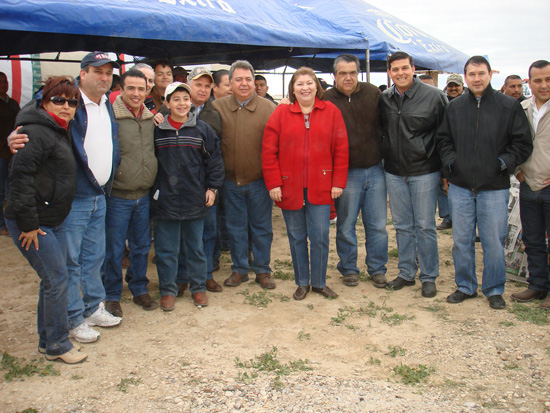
point(188, 31)
point(386, 34)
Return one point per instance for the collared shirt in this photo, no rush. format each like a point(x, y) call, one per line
point(538, 113)
point(245, 102)
point(98, 142)
point(199, 108)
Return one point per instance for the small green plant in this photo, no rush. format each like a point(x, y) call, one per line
point(29, 410)
point(393, 253)
point(506, 324)
point(395, 319)
point(395, 351)
point(511, 366)
point(447, 232)
point(259, 299)
point(524, 312)
point(389, 222)
point(124, 383)
point(374, 361)
point(412, 375)
point(268, 362)
point(439, 310)
point(281, 275)
point(18, 368)
point(343, 313)
point(453, 383)
point(302, 335)
point(491, 404)
point(448, 263)
point(284, 264)
point(363, 276)
point(280, 296)
point(76, 377)
point(310, 306)
point(547, 351)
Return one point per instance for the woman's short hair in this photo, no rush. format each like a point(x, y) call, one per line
point(300, 72)
point(60, 86)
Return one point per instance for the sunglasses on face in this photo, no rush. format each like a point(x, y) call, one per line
point(60, 101)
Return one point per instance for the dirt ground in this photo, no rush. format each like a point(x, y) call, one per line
point(474, 358)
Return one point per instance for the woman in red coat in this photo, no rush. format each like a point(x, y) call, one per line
point(305, 165)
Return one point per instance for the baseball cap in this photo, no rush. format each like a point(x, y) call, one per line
point(171, 88)
point(199, 72)
point(454, 78)
point(96, 59)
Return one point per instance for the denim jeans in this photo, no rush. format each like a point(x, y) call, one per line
point(4, 163)
point(313, 222)
point(209, 236)
point(49, 262)
point(170, 236)
point(85, 231)
point(443, 205)
point(535, 221)
point(365, 192)
point(489, 209)
point(126, 217)
point(249, 206)
point(412, 204)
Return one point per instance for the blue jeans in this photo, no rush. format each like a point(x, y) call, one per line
point(209, 237)
point(489, 209)
point(126, 216)
point(249, 206)
point(443, 204)
point(535, 221)
point(365, 192)
point(4, 163)
point(170, 236)
point(313, 222)
point(412, 204)
point(49, 262)
point(85, 229)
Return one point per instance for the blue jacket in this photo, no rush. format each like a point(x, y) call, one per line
point(86, 184)
point(189, 163)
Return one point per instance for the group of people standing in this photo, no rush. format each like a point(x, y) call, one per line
point(351, 146)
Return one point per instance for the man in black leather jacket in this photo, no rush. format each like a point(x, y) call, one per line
point(482, 139)
point(411, 112)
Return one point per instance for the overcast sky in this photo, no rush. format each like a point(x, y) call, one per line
point(512, 33)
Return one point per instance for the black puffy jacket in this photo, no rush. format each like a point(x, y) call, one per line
point(409, 126)
point(475, 133)
point(42, 174)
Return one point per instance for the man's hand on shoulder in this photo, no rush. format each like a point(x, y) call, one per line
point(17, 140)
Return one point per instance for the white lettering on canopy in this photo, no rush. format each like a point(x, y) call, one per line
point(407, 34)
point(222, 4)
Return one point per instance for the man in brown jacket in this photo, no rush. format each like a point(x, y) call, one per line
point(246, 200)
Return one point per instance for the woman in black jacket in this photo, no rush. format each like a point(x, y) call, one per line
point(42, 185)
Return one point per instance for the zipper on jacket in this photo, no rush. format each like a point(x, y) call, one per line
point(326, 170)
point(475, 147)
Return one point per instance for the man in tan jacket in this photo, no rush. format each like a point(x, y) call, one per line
point(246, 200)
point(534, 176)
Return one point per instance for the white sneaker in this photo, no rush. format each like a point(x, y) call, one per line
point(84, 333)
point(102, 318)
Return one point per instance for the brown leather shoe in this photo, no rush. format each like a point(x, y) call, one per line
point(265, 281)
point(114, 308)
point(146, 302)
point(167, 302)
point(546, 304)
point(236, 279)
point(301, 293)
point(528, 295)
point(213, 286)
point(325, 292)
point(200, 299)
point(181, 288)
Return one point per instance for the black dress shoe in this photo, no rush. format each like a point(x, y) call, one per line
point(459, 296)
point(325, 292)
point(399, 283)
point(428, 289)
point(301, 293)
point(497, 302)
point(445, 225)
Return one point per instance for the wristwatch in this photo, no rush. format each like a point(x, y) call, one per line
point(213, 190)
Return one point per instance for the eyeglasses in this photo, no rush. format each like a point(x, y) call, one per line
point(60, 101)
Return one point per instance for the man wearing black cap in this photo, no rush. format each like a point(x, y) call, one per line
point(95, 147)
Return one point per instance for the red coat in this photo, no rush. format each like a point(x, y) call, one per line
point(282, 153)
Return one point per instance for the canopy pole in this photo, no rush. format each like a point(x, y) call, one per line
point(284, 71)
point(367, 59)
